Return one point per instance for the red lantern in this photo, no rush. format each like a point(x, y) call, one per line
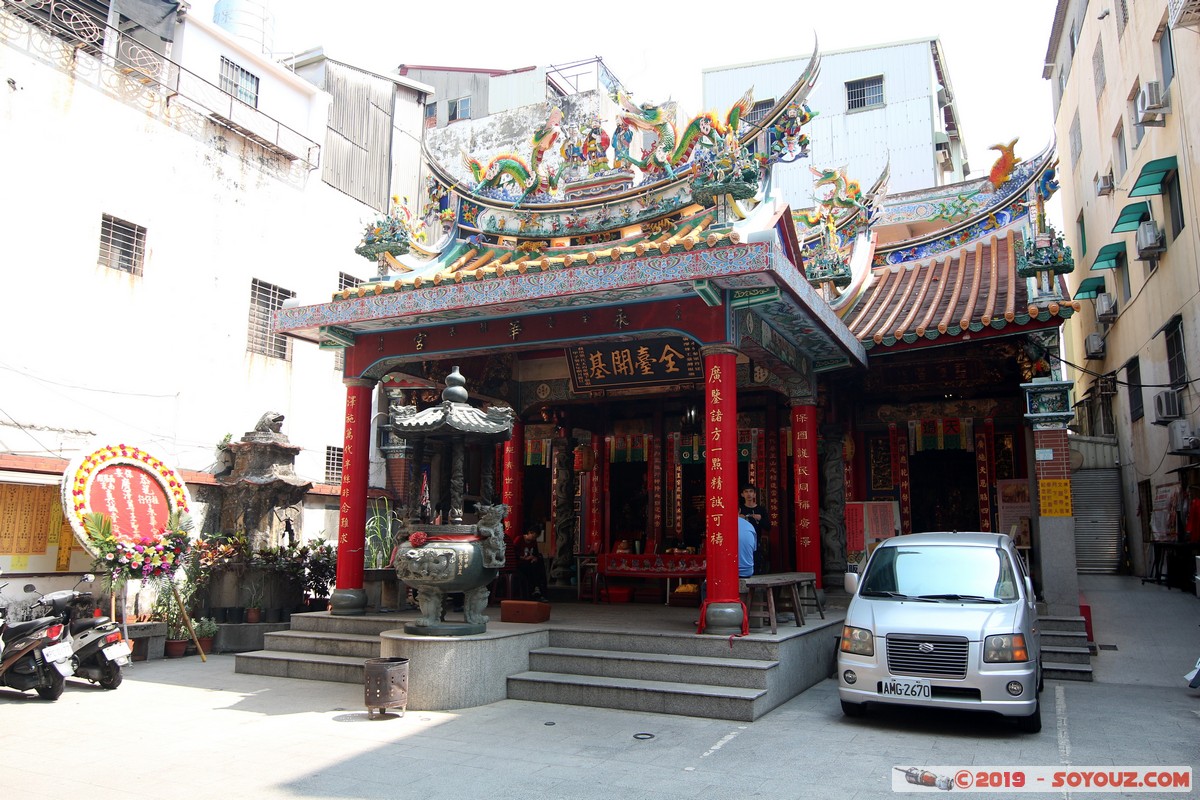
point(585, 458)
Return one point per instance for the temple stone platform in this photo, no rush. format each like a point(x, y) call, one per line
point(635, 656)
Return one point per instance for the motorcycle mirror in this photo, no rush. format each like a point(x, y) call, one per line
point(89, 578)
point(30, 588)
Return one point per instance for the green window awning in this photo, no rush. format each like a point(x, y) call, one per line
point(1150, 181)
point(1109, 256)
point(1089, 289)
point(1131, 216)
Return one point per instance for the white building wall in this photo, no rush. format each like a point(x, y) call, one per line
point(161, 358)
point(516, 89)
point(902, 131)
point(1146, 295)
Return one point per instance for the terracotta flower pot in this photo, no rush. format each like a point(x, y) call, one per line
point(253, 615)
point(175, 648)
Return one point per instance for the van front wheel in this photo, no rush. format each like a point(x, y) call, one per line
point(1032, 723)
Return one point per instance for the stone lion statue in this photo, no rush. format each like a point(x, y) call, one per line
point(270, 422)
point(491, 529)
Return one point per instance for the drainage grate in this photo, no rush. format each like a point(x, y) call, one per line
point(1107, 646)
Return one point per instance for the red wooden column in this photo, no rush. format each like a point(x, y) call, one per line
point(512, 483)
point(348, 598)
point(723, 611)
point(808, 500)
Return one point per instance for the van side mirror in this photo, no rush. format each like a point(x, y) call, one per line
point(1029, 595)
point(850, 582)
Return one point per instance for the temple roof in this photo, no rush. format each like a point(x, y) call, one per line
point(974, 289)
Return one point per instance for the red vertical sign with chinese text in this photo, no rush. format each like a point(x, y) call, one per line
point(352, 516)
point(510, 487)
point(808, 501)
point(721, 500)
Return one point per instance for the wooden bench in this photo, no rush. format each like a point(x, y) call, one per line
point(758, 592)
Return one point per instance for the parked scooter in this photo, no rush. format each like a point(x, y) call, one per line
point(36, 655)
point(1193, 677)
point(98, 649)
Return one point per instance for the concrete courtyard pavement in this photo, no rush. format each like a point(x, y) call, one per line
point(184, 729)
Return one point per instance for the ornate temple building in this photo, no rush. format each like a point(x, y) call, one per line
point(668, 330)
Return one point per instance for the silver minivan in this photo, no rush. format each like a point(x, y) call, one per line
point(943, 620)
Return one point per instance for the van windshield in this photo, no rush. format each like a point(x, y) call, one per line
point(941, 572)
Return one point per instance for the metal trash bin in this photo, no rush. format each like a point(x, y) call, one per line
point(385, 684)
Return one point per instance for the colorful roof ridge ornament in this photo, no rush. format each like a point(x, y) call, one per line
point(390, 234)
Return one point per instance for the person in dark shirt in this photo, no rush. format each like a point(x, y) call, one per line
point(756, 515)
point(531, 568)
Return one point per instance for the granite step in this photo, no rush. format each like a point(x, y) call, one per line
point(358, 645)
point(738, 672)
point(633, 694)
point(1066, 672)
point(305, 666)
point(1057, 654)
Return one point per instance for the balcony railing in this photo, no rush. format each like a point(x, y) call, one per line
point(91, 50)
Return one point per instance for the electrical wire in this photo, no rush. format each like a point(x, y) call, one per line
point(25, 430)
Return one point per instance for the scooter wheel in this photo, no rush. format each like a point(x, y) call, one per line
point(110, 675)
point(55, 689)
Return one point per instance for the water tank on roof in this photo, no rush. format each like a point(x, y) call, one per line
point(252, 21)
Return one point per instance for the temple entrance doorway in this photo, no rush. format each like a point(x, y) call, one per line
point(628, 505)
point(944, 496)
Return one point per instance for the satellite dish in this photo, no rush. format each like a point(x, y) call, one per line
point(1076, 460)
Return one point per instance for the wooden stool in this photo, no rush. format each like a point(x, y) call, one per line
point(759, 597)
point(808, 592)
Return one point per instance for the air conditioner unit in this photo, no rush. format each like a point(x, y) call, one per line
point(1152, 103)
point(1150, 241)
point(1094, 345)
point(1180, 436)
point(943, 98)
point(1106, 308)
point(1166, 407)
point(1104, 185)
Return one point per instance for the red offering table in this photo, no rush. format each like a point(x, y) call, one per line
point(667, 566)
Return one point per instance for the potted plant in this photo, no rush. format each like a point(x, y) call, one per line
point(167, 609)
point(320, 573)
point(254, 597)
point(206, 629)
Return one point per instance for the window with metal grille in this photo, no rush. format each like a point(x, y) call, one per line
point(1133, 384)
point(1098, 68)
point(1176, 360)
point(345, 281)
point(1122, 16)
point(239, 82)
point(122, 245)
point(1076, 140)
point(431, 114)
point(865, 93)
point(333, 464)
point(760, 110)
point(460, 109)
point(266, 299)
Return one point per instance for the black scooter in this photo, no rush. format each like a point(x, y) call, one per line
point(98, 649)
point(36, 655)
